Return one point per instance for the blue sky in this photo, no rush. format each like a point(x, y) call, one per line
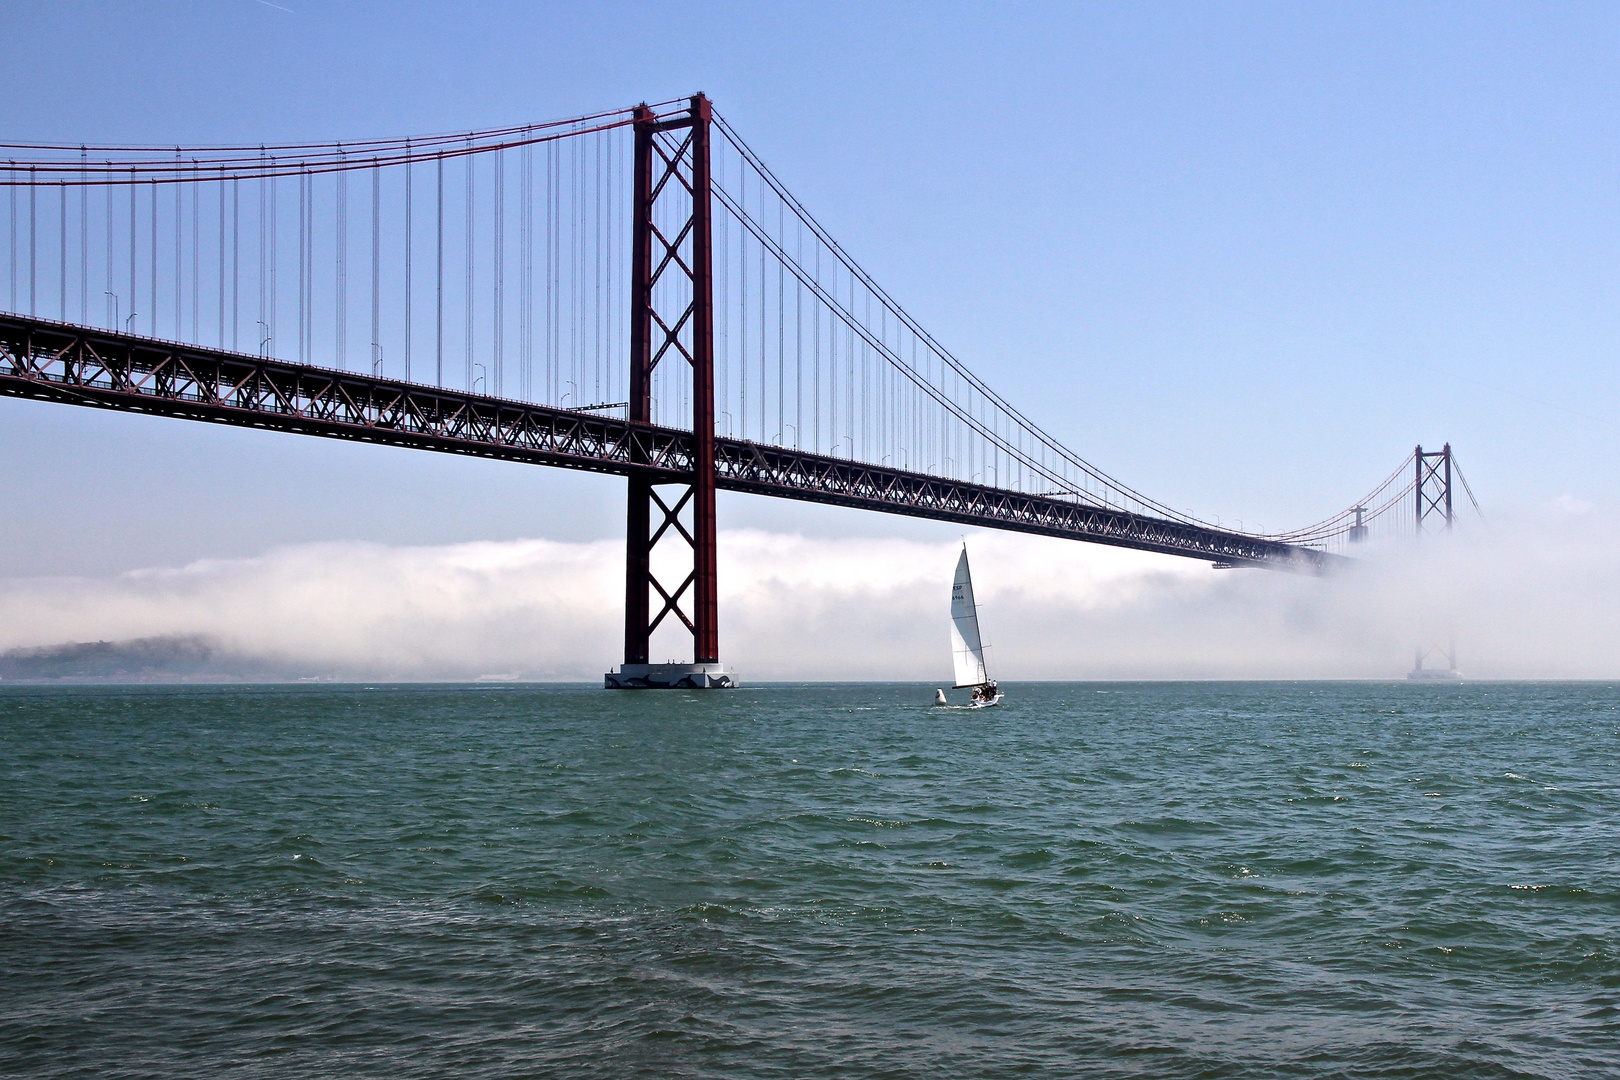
point(1242, 256)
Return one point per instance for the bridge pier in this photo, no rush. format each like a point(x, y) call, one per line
point(682, 262)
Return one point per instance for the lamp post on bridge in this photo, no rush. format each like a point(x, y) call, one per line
point(674, 167)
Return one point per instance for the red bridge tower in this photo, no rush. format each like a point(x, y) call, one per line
point(672, 319)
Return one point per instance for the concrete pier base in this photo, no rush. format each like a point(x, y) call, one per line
point(670, 677)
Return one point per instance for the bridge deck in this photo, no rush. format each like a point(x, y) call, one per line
point(77, 365)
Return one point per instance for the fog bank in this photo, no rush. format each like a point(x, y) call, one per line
point(1520, 601)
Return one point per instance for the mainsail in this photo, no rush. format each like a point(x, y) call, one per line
point(967, 651)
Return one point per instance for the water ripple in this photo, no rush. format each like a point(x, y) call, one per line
point(1131, 880)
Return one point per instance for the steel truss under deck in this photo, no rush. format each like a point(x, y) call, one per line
point(51, 361)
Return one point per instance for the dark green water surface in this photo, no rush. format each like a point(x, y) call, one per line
point(1121, 880)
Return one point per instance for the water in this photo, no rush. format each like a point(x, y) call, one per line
point(1127, 880)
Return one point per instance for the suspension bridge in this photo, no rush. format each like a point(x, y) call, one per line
point(632, 292)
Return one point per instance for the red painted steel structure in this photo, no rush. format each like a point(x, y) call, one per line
point(685, 251)
point(1432, 485)
point(667, 467)
point(43, 360)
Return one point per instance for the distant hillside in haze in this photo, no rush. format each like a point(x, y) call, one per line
point(180, 658)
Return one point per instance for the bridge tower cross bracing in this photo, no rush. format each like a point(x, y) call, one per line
point(662, 328)
point(1432, 487)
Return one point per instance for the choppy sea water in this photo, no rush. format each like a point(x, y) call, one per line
point(1107, 880)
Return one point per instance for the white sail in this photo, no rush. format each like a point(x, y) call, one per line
point(967, 651)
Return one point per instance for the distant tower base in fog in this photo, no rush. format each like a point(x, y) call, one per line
point(1445, 674)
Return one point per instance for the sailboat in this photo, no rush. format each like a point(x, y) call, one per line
point(967, 650)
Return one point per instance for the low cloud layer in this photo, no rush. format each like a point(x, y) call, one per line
point(1520, 602)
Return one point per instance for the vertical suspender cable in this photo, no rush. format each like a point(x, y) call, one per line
point(909, 403)
point(341, 254)
point(275, 260)
point(112, 297)
point(952, 431)
point(376, 268)
point(11, 236)
point(798, 340)
point(617, 358)
point(722, 313)
point(850, 382)
point(309, 270)
point(781, 327)
point(596, 199)
point(617, 353)
point(916, 412)
point(866, 384)
point(591, 255)
point(196, 241)
point(573, 272)
point(583, 286)
point(903, 400)
point(151, 316)
point(547, 375)
point(84, 237)
point(550, 391)
point(762, 332)
point(610, 323)
point(236, 263)
point(129, 319)
point(61, 251)
point(306, 267)
point(901, 416)
point(262, 331)
point(222, 256)
point(179, 252)
point(832, 361)
point(467, 321)
point(303, 263)
point(557, 275)
point(582, 281)
point(743, 309)
point(886, 425)
point(885, 389)
point(553, 267)
point(32, 189)
point(498, 341)
point(439, 315)
point(534, 391)
point(523, 270)
point(410, 244)
point(526, 262)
